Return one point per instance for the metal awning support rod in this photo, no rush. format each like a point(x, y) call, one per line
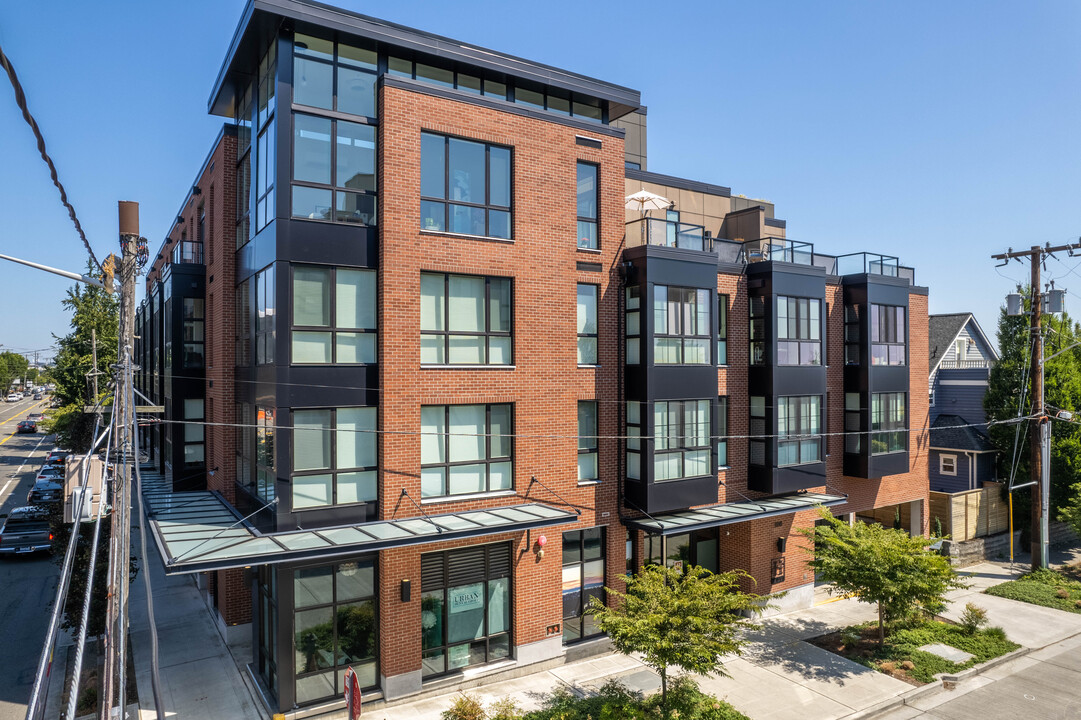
point(534, 479)
point(405, 493)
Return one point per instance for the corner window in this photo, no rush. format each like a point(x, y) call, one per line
point(633, 317)
point(335, 459)
point(583, 579)
point(757, 330)
point(681, 326)
point(265, 155)
point(334, 76)
point(587, 323)
point(587, 440)
point(722, 329)
point(466, 449)
point(888, 431)
point(588, 174)
point(799, 331)
point(334, 315)
point(334, 176)
point(887, 335)
point(947, 464)
point(634, 442)
point(852, 334)
point(465, 320)
point(335, 626)
point(799, 418)
point(465, 186)
point(264, 317)
point(266, 475)
point(681, 439)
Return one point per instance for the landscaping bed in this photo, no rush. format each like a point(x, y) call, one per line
point(900, 655)
point(1059, 589)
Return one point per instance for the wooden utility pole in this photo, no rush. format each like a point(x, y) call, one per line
point(1040, 430)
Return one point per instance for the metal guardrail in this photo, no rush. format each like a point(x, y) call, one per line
point(188, 253)
point(668, 233)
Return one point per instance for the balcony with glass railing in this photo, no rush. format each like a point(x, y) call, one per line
point(668, 233)
point(774, 249)
point(868, 263)
point(188, 252)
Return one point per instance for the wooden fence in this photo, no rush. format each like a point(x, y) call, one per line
point(971, 514)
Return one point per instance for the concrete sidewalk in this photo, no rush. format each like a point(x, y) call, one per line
point(778, 677)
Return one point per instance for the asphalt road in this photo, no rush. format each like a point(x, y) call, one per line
point(27, 583)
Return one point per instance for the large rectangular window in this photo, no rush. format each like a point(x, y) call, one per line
point(466, 449)
point(888, 431)
point(799, 424)
point(634, 442)
point(465, 186)
point(265, 155)
point(465, 608)
point(799, 331)
point(722, 431)
point(587, 440)
point(266, 475)
point(335, 460)
point(243, 324)
point(335, 627)
point(583, 579)
point(853, 437)
point(465, 320)
point(264, 317)
point(194, 433)
point(633, 318)
point(587, 323)
point(887, 335)
point(722, 329)
point(334, 315)
point(681, 325)
point(334, 76)
point(334, 174)
point(852, 334)
point(681, 430)
point(588, 174)
point(194, 332)
point(243, 166)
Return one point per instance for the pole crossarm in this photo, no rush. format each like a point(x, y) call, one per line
point(1036, 250)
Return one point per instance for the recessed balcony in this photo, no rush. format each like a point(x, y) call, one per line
point(188, 253)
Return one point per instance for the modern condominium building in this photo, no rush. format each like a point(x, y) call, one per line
point(430, 385)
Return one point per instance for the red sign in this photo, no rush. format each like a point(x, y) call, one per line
point(352, 694)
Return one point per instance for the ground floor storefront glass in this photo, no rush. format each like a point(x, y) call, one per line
point(694, 548)
point(465, 608)
point(335, 627)
point(583, 578)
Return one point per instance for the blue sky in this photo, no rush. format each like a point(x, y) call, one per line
point(939, 132)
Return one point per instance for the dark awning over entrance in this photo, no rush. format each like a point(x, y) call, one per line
point(728, 513)
point(199, 531)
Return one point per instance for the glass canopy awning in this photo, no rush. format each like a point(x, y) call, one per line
point(728, 513)
point(200, 531)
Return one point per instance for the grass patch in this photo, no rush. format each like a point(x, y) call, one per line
point(1049, 588)
point(900, 655)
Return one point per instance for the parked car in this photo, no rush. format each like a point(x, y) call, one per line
point(57, 456)
point(53, 473)
point(45, 491)
point(26, 530)
point(28, 426)
point(12, 397)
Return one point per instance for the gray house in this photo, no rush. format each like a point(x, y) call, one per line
point(962, 456)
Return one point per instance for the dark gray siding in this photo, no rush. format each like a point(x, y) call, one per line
point(964, 400)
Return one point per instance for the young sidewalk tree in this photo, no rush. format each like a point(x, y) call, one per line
point(882, 566)
point(688, 620)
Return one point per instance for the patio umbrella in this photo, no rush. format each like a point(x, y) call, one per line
point(644, 200)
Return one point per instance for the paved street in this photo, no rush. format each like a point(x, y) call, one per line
point(29, 583)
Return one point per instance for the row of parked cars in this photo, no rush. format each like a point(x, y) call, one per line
point(37, 394)
point(26, 529)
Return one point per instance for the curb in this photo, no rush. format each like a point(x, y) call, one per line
point(943, 682)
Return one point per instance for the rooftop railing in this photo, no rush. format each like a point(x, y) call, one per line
point(188, 253)
point(873, 264)
point(778, 250)
point(668, 233)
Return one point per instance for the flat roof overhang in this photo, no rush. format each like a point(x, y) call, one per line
point(200, 531)
point(675, 523)
point(261, 18)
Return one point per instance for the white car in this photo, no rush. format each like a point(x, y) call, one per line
point(13, 397)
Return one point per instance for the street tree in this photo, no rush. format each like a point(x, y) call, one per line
point(12, 367)
point(675, 618)
point(881, 566)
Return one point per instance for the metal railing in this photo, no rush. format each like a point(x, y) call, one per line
point(728, 251)
point(188, 252)
point(778, 250)
point(965, 364)
point(668, 233)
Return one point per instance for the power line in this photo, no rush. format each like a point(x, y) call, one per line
point(20, 100)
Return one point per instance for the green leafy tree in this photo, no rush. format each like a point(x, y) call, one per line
point(12, 367)
point(680, 619)
point(1062, 390)
point(882, 566)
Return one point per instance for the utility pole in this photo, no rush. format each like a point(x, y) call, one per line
point(115, 684)
point(1040, 430)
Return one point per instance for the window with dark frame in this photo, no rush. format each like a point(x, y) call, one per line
point(757, 330)
point(245, 447)
point(853, 437)
point(634, 442)
point(335, 459)
point(194, 310)
point(265, 155)
point(335, 627)
point(334, 315)
point(722, 431)
point(633, 317)
point(799, 331)
point(334, 170)
point(887, 335)
point(852, 334)
point(243, 167)
point(588, 192)
point(587, 323)
point(799, 427)
point(466, 320)
point(889, 433)
point(722, 329)
point(583, 579)
point(681, 445)
point(465, 608)
point(587, 441)
point(466, 449)
point(266, 475)
point(267, 612)
point(194, 433)
point(681, 325)
point(465, 186)
point(334, 76)
point(243, 324)
point(264, 316)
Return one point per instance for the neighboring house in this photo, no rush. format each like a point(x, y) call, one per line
point(962, 455)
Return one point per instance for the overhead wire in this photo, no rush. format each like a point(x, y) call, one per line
point(20, 100)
